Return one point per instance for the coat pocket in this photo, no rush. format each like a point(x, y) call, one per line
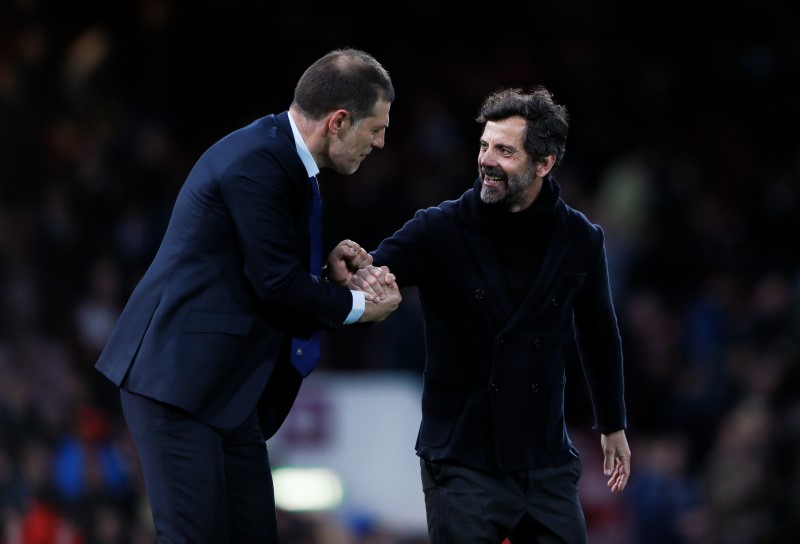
point(442, 406)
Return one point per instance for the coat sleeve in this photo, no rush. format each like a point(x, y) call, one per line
point(600, 346)
point(405, 251)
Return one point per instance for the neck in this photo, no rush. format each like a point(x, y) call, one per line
point(529, 197)
point(313, 133)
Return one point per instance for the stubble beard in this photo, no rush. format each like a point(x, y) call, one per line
point(515, 187)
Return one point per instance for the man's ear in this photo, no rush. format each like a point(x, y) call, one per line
point(337, 120)
point(544, 166)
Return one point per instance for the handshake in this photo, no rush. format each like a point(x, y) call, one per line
point(349, 265)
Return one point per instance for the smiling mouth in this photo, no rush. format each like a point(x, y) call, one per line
point(492, 182)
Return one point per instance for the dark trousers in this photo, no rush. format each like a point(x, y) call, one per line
point(466, 506)
point(204, 485)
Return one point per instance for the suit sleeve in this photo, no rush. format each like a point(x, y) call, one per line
point(263, 201)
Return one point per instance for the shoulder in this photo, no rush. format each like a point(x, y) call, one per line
point(263, 148)
point(437, 218)
point(579, 223)
point(445, 209)
point(271, 132)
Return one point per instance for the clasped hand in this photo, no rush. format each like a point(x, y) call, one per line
point(349, 265)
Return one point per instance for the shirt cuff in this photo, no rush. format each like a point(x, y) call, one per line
point(359, 303)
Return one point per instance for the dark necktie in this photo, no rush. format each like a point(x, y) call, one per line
point(306, 351)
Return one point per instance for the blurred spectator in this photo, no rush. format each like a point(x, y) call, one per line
point(666, 499)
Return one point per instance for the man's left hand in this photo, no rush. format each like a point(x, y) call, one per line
point(344, 260)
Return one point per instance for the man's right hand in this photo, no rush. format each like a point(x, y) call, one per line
point(378, 311)
point(381, 291)
point(372, 281)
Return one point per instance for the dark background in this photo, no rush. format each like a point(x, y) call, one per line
point(683, 146)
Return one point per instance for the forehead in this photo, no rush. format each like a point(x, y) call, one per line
point(506, 132)
point(379, 117)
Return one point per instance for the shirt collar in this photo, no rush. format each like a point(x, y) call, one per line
point(302, 150)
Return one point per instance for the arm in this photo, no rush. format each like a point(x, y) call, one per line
point(263, 204)
point(600, 347)
point(601, 357)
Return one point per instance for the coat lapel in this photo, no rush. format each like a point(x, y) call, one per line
point(494, 294)
point(556, 252)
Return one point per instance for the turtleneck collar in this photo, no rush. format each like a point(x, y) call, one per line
point(497, 215)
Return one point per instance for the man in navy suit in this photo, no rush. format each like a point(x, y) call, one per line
point(530, 275)
point(201, 352)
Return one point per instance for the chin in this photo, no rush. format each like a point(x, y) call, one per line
point(347, 169)
point(491, 196)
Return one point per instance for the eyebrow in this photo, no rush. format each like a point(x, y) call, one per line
point(507, 147)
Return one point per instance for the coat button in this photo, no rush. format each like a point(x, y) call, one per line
point(534, 388)
point(494, 387)
point(479, 294)
point(537, 343)
point(554, 303)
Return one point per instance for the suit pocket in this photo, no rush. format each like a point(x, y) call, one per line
point(218, 322)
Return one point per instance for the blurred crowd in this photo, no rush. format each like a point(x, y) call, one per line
point(684, 149)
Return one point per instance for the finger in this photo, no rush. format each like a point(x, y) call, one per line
point(376, 283)
point(619, 478)
point(364, 282)
point(360, 280)
point(608, 463)
point(617, 483)
point(388, 277)
point(359, 259)
point(349, 253)
point(364, 258)
point(361, 284)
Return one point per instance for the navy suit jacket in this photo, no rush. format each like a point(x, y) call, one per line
point(494, 379)
point(207, 328)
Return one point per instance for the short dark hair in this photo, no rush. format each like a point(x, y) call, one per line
point(344, 78)
point(547, 123)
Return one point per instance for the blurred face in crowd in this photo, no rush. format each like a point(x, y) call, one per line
point(508, 176)
point(352, 142)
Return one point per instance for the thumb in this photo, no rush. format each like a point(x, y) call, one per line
point(608, 463)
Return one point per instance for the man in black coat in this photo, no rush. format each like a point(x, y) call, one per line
point(505, 275)
point(204, 351)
